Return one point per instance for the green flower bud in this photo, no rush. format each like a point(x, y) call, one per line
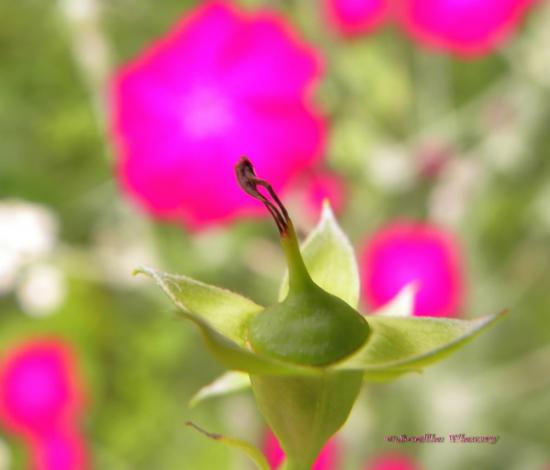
point(306, 356)
point(310, 326)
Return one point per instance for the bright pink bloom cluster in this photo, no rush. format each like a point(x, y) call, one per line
point(465, 27)
point(222, 84)
point(40, 399)
point(405, 252)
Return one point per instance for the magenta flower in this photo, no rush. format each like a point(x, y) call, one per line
point(353, 17)
point(221, 84)
point(436, 23)
point(41, 399)
point(466, 27)
point(328, 459)
point(392, 461)
point(60, 449)
point(406, 252)
point(38, 389)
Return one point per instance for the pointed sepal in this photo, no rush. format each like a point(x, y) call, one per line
point(230, 382)
point(222, 317)
point(399, 344)
point(330, 260)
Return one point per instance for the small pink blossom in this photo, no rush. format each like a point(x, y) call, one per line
point(328, 458)
point(392, 461)
point(222, 84)
point(466, 27)
point(38, 389)
point(41, 400)
point(405, 252)
point(353, 17)
point(59, 449)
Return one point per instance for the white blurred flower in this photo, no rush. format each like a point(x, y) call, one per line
point(391, 169)
point(27, 233)
point(41, 290)
point(458, 184)
point(124, 241)
point(79, 10)
point(26, 228)
point(534, 48)
point(455, 402)
point(9, 267)
point(504, 151)
point(90, 48)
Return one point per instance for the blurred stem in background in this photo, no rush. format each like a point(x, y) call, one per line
point(91, 52)
point(433, 85)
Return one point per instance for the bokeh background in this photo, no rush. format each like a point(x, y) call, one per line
point(413, 132)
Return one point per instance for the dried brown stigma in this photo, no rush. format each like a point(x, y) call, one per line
point(249, 182)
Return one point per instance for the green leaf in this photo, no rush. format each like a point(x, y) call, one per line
point(251, 451)
point(330, 260)
point(225, 384)
point(225, 336)
point(399, 345)
point(225, 311)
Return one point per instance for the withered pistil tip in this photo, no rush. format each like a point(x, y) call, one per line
point(249, 182)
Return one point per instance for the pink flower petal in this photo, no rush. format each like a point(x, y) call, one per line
point(199, 99)
point(249, 71)
point(328, 458)
point(354, 17)
point(59, 450)
point(38, 388)
point(272, 450)
point(466, 27)
point(405, 252)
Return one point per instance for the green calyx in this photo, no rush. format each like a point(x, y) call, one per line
point(306, 357)
point(310, 326)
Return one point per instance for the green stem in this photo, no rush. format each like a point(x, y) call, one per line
point(291, 465)
point(298, 276)
point(251, 184)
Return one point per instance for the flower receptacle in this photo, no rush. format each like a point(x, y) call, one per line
point(304, 412)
